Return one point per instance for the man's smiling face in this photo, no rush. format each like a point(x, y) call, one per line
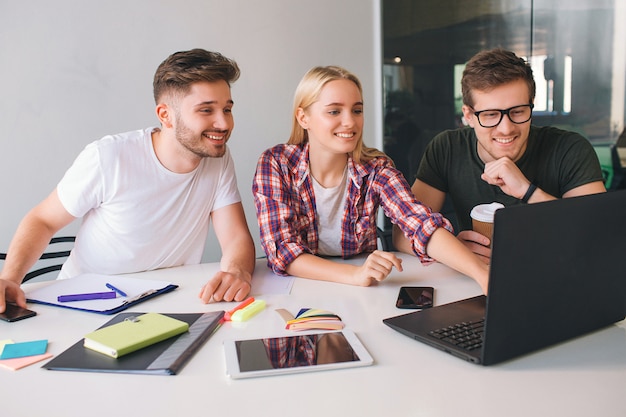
point(507, 138)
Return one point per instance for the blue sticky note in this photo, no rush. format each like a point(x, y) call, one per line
point(20, 350)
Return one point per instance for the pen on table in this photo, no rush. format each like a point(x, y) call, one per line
point(117, 290)
point(86, 296)
point(243, 304)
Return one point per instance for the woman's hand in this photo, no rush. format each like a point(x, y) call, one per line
point(377, 267)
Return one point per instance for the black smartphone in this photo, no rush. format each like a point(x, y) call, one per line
point(14, 313)
point(415, 297)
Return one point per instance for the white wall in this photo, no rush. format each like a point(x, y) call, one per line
point(72, 71)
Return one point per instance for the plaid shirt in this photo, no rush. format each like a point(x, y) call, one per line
point(292, 351)
point(285, 207)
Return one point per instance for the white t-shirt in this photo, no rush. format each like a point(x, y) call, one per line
point(137, 215)
point(329, 204)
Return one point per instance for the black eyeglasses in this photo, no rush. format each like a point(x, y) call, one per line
point(492, 118)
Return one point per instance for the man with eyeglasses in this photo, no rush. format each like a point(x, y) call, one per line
point(500, 156)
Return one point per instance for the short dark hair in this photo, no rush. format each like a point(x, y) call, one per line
point(489, 69)
point(182, 69)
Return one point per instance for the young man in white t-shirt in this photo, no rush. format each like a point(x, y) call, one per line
point(147, 197)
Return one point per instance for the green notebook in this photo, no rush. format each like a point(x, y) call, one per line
point(134, 333)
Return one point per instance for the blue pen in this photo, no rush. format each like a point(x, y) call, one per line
point(117, 290)
point(86, 296)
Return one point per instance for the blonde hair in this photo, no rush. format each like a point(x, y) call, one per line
point(308, 92)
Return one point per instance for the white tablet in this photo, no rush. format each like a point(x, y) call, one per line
point(301, 352)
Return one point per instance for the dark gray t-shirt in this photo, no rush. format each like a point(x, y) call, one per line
point(556, 160)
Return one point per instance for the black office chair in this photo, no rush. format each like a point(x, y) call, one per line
point(59, 257)
point(619, 172)
point(385, 241)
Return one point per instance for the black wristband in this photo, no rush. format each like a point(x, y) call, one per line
point(531, 189)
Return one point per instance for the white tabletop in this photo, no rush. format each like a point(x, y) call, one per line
point(583, 377)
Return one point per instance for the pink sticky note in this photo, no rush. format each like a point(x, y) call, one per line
point(18, 363)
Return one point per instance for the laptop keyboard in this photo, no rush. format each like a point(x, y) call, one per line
point(466, 335)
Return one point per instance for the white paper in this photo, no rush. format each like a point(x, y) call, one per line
point(265, 282)
point(90, 283)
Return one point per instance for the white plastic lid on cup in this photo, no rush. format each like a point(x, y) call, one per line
point(484, 212)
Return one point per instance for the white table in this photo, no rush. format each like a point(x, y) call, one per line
point(583, 377)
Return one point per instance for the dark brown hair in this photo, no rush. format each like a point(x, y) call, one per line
point(182, 69)
point(489, 69)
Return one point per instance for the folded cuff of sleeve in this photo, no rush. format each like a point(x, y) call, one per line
point(425, 231)
point(280, 255)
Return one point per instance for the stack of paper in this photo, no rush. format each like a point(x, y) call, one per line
point(15, 356)
point(311, 318)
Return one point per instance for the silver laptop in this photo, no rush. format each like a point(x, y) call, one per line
point(558, 271)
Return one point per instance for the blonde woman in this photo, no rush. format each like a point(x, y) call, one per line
point(317, 196)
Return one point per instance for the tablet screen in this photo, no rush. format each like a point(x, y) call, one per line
point(296, 353)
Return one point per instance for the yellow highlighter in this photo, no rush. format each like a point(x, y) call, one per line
point(248, 312)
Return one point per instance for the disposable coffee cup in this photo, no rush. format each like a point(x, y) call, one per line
point(482, 218)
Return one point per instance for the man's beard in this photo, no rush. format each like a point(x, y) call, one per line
point(195, 144)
